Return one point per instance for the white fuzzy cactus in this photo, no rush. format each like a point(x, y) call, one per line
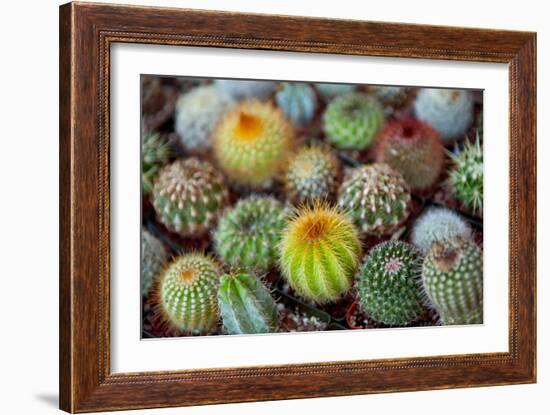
point(239, 89)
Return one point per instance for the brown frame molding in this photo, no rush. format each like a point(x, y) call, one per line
point(86, 33)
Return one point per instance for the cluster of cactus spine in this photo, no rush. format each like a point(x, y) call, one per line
point(376, 197)
point(188, 196)
point(313, 173)
point(452, 276)
point(298, 101)
point(187, 293)
point(466, 176)
point(252, 143)
point(246, 306)
point(413, 148)
point(330, 91)
point(153, 260)
point(319, 253)
point(155, 153)
point(389, 283)
point(241, 89)
point(437, 224)
point(449, 111)
point(197, 113)
point(248, 234)
point(352, 121)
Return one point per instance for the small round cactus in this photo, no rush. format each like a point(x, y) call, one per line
point(240, 89)
point(413, 148)
point(153, 259)
point(155, 153)
point(392, 97)
point(449, 111)
point(298, 102)
point(437, 224)
point(452, 275)
point(389, 283)
point(376, 197)
point(252, 143)
point(313, 173)
point(466, 177)
point(246, 306)
point(188, 196)
point(329, 91)
point(197, 113)
point(187, 291)
point(248, 234)
point(352, 121)
point(319, 253)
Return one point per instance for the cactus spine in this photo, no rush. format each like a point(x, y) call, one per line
point(153, 259)
point(188, 196)
point(376, 197)
point(466, 176)
point(248, 234)
point(298, 102)
point(246, 306)
point(452, 274)
point(389, 283)
point(155, 153)
point(319, 253)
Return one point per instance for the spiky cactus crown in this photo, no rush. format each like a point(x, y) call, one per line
point(153, 259)
point(155, 153)
point(352, 121)
point(246, 306)
point(197, 113)
point(413, 148)
point(437, 224)
point(186, 296)
point(466, 176)
point(319, 253)
point(329, 91)
point(376, 197)
point(389, 283)
point(452, 275)
point(393, 97)
point(248, 234)
point(240, 89)
point(313, 173)
point(188, 196)
point(298, 101)
point(449, 111)
point(252, 143)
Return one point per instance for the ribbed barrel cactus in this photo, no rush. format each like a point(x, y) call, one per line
point(155, 153)
point(153, 260)
point(246, 306)
point(329, 91)
point(449, 111)
point(352, 121)
point(452, 275)
point(319, 253)
point(252, 143)
point(413, 148)
point(187, 293)
point(240, 89)
point(376, 197)
point(466, 176)
point(313, 173)
point(298, 101)
point(389, 283)
point(188, 196)
point(248, 234)
point(197, 113)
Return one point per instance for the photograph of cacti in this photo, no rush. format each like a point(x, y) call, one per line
point(282, 206)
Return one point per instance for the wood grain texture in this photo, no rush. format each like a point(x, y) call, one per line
point(86, 34)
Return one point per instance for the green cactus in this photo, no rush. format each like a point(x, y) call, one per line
point(452, 275)
point(298, 102)
point(376, 197)
point(466, 176)
point(188, 196)
point(252, 143)
point(248, 234)
point(313, 173)
point(389, 283)
point(246, 306)
point(187, 294)
point(155, 153)
point(352, 121)
point(319, 253)
point(153, 259)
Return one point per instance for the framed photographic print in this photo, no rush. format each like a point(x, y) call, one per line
point(254, 208)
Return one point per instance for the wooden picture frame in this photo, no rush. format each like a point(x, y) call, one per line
point(86, 33)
